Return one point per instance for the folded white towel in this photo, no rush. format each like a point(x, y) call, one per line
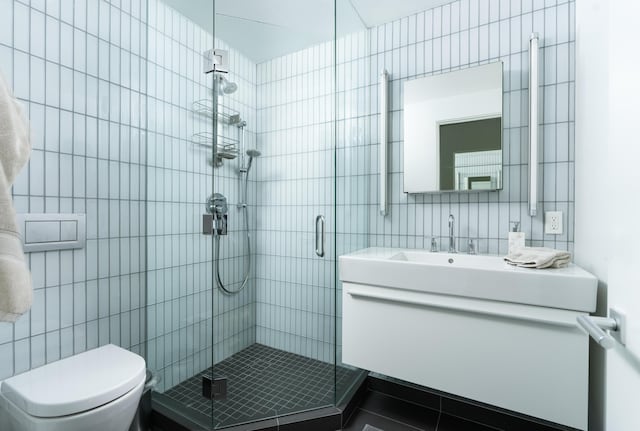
point(15, 148)
point(538, 257)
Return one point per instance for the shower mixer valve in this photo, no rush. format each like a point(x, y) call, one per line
point(216, 219)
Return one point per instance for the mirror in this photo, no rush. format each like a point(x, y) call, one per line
point(453, 131)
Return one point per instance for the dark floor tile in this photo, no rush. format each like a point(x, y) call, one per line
point(361, 418)
point(400, 410)
point(264, 382)
point(475, 412)
point(494, 416)
point(315, 420)
point(265, 425)
point(404, 391)
point(452, 423)
point(354, 398)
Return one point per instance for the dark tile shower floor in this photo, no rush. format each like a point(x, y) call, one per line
point(264, 382)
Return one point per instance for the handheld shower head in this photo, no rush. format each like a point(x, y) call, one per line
point(252, 153)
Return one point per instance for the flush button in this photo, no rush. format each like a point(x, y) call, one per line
point(42, 231)
point(69, 231)
point(45, 232)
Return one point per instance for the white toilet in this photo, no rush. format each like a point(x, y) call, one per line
point(95, 390)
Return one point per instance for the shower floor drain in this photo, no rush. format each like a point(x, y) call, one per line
point(368, 427)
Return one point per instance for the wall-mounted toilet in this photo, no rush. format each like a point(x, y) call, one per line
point(95, 390)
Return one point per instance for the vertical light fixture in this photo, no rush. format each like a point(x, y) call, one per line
point(533, 124)
point(384, 110)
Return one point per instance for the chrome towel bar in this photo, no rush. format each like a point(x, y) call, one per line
point(596, 327)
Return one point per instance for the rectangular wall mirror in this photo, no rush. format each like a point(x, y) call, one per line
point(453, 131)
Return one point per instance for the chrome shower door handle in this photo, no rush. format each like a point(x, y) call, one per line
point(320, 235)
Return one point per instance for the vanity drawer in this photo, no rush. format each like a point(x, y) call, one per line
point(531, 360)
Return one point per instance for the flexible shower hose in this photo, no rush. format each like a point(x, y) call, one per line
point(245, 212)
point(221, 286)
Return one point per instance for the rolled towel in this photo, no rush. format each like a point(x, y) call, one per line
point(15, 148)
point(538, 257)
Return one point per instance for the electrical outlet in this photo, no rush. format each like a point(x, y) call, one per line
point(553, 222)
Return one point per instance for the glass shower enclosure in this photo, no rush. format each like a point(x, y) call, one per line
point(243, 299)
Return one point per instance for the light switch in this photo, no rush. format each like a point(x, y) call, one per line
point(41, 231)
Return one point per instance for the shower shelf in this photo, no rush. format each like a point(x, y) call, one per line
point(227, 148)
point(204, 107)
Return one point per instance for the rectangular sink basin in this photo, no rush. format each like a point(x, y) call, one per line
point(450, 259)
point(474, 276)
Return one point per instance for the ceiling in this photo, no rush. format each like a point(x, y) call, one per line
point(376, 12)
point(264, 29)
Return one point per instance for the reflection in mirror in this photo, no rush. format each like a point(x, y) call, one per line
point(471, 155)
point(453, 131)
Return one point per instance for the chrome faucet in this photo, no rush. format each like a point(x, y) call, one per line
point(452, 239)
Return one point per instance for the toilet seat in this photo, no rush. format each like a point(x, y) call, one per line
point(77, 383)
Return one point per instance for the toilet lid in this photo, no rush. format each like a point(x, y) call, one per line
point(77, 383)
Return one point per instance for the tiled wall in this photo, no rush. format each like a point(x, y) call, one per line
point(295, 293)
point(184, 309)
point(79, 70)
point(305, 141)
point(458, 35)
point(86, 79)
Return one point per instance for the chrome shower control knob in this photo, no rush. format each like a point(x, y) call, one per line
point(217, 204)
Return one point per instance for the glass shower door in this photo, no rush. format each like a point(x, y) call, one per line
point(274, 202)
point(178, 172)
point(233, 159)
point(241, 210)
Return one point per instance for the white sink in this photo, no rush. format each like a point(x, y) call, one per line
point(474, 276)
point(450, 259)
point(472, 326)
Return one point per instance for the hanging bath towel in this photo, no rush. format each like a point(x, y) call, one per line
point(15, 147)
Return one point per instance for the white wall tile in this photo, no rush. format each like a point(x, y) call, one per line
point(57, 325)
point(37, 35)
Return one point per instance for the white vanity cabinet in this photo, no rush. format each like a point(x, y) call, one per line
point(499, 344)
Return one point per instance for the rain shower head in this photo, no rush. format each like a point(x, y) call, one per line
point(227, 87)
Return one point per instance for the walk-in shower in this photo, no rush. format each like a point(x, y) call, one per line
point(253, 330)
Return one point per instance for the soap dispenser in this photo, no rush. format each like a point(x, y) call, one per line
point(516, 238)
